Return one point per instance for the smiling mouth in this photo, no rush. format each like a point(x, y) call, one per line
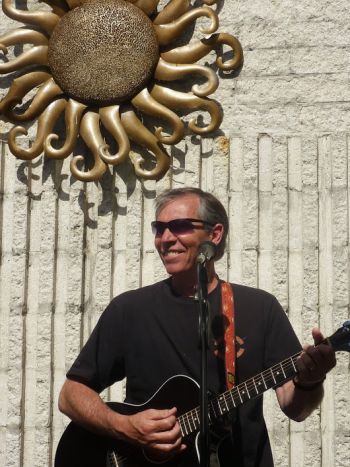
point(171, 253)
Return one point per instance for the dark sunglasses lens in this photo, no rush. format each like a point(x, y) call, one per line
point(158, 227)
point(180, 226)
point(177, 226)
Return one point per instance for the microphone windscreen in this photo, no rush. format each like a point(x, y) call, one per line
point(206, 251)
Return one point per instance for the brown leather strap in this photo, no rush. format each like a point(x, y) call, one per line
point(228, 309)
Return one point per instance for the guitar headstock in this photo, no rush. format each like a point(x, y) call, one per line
point(340, 340)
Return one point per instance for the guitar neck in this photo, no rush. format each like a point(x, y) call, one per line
point(243, 392)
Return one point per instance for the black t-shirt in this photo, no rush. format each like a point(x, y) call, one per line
point(150, 334)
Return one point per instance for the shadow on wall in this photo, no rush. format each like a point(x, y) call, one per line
point(44, 174)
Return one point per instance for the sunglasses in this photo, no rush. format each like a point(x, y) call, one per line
point(178, 226)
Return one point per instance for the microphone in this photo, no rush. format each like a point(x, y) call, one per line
point(206, 252)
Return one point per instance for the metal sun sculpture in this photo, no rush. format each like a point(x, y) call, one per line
point(102, 64)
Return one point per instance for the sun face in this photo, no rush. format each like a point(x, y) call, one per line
point(107, 66)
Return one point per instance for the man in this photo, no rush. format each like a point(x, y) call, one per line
point(149, 335)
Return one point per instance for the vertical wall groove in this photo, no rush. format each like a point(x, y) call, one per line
point(295, 271)
point(325, 158)
point(24, 417)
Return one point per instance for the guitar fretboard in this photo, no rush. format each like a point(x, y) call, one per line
point(249, 389)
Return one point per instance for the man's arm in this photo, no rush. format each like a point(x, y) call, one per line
point(155, 430)
point(300, 396)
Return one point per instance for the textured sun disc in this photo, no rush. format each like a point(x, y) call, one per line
point(103, 52)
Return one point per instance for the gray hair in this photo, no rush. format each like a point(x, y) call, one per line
point(210, 210)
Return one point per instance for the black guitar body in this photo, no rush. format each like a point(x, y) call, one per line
point(81, 448)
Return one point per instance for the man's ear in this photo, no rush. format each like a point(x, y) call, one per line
point(217, 233)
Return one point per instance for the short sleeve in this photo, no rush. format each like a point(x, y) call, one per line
point(101, 360)
point(281, 340)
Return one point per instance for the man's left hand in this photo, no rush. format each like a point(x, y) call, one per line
point(315, 361)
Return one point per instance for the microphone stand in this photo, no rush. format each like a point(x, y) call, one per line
point(202, 288)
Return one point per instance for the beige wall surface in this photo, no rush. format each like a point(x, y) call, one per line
point(280, 164)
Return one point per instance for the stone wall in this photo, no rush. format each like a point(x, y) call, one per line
point(280, 166)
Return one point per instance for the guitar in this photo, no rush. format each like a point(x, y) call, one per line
point(81, 448)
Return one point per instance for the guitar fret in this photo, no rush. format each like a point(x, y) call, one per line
point(181, 428)
point(245, 383)
point(224, 398)
point(259, 379)
point(112, 458)
point(220, 405)
point(232, 399)
point(185, 426)
point(291, 359)
point(196, 419)
point(243, 392)
point(188, 424)
point(239, 394)
point(273, 376)
point(283, 370)
point(256, 389)
point(190, 418)
point(262, 377)
point(279, 373)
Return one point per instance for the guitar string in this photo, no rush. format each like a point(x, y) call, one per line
point(228, 397)
point(268, 376)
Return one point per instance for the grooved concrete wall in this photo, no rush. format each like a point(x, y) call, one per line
point(280, 166)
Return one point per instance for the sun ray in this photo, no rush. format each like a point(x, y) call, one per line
point(46, 94)
point(180, 100)
point(91, 134)
point(144, 102)
point(237, 60)
point(147, 6)
point(138, 133)
point(20, 87)
point(193, 52)
point(43, 19)
point(22, 36)
point(166, 33)
point(35, 56)
point(110, 118)
point(173, 10)
point(73, 114)
point(46, 122)
point(74, 3)
point(168, 72)
point(59, 7)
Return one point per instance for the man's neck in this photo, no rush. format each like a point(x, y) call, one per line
point(187, 286)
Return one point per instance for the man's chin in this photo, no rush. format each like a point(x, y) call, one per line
point(177, 270)
point(174, 267)
point(171, 269)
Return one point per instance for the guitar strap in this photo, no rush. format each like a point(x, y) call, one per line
point(228, 310)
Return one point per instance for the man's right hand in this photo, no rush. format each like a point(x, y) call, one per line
point(156, 431)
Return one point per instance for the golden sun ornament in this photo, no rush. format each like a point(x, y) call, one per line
point(105, 65)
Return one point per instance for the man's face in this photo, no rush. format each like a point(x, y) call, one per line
point(179, 252)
